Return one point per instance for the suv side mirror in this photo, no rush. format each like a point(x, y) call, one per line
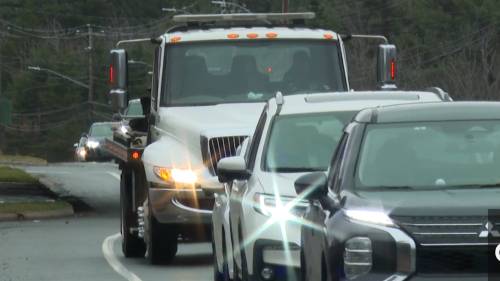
point(232, 168)
point(312, 186)
point(386, 67)
point(118, 75)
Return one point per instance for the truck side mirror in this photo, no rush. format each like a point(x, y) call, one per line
point(118, 75)
point(386, 67)
point(232, 168)
point(312, 186)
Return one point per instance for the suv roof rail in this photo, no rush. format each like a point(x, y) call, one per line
point(444, 96)
point(243, 17)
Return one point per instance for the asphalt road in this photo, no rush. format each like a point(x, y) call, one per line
point(87, 246)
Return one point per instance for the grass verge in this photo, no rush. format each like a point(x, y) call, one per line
point(21, 159)
point(18, 208)
point(8, 174)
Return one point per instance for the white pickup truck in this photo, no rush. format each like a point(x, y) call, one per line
point(212, 75)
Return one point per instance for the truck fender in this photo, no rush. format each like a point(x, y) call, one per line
point(169, 153)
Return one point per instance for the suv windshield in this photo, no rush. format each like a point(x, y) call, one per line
point(304, 142)
point(447, 154)
point(249, 71)
point(101, 130)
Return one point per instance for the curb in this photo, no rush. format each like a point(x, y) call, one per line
point(64, 212)
point(50, 187)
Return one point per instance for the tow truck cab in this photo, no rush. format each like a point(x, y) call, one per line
point(212, 75)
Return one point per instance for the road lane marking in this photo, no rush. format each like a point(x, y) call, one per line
point(109, 255)
point(115, 175)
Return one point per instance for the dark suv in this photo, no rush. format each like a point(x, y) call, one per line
point(412, 194)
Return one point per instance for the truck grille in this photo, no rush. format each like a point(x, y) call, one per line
point(220, 147)
point(450, 244)
point(439, 260)
point(444, 230)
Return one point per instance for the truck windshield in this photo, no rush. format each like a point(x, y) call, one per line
point(304, 142)
point(449, 154)
point(206, 73)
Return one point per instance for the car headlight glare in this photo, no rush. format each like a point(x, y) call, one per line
point(368, 216)
point(279, 206)
point(92, 144)
point(176, 176)
point(357, 257)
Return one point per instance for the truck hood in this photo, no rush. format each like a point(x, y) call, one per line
point(449, 202)
point(187, 124)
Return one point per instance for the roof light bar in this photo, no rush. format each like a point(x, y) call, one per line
point(243, 17)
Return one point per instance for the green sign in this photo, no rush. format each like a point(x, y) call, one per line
point(5, 112)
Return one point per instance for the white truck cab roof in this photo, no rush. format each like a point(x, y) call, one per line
point(350, 101)
point(249, 33)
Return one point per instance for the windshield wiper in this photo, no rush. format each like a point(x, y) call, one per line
point(296, 169)
point(389, 187)
point(489, 185)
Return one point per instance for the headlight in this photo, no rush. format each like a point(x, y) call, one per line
point(279, 206)
point(123, 129)
point(357, 257)
point(367, 216)
point(92, 144)
point(176, 176)
point(82, 152)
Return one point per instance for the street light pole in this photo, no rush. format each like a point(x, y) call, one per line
point(284, 5)
point(90, 49)
point(37, 68)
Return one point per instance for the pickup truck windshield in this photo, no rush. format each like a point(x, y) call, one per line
point(304, 142)
point(134, 109)
point(101, 130)
point(449, 154)
point(204, 73)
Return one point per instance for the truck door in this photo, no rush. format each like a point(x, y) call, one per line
point(155, 90)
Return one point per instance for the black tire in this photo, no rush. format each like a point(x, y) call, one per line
point(224, 275)
point(244, 268)
point(162, 242)
point(132, 246)
point(218, 276)
point(303, 268)
point(323, 269)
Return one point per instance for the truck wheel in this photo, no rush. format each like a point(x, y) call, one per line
point(161, 242)
point(132, 246)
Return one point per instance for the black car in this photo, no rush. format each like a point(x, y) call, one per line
point(412, 193)
point(96, 137)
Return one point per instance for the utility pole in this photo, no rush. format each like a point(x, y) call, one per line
point(90, 49)
point(2, 134)
point(284, 6)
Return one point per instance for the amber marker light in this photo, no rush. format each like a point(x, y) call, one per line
point(328, 36)
point(135, 155)
point(175, 39)
point(252, 35)
point(271, 35)
point(233, 36)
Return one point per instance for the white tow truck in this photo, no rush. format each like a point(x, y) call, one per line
point(212, 75)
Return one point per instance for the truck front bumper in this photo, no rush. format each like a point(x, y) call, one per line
point(180, 206)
